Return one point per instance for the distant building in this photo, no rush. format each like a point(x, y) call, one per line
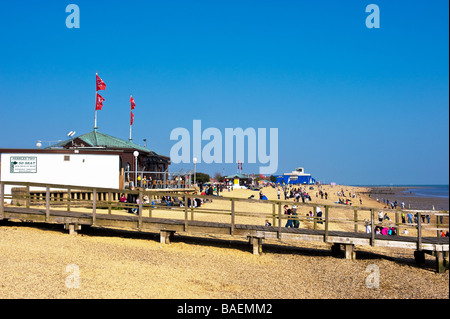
point(296, 177)
point(238, 180)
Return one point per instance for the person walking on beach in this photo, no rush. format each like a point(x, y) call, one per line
point(380, 216)
point(410, 218)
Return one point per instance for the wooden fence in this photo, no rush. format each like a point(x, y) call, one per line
point(106, 201)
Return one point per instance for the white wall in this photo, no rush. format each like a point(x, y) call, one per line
point(80, 170)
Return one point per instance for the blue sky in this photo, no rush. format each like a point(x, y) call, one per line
point(352, 105)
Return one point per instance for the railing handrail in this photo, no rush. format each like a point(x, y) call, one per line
point(183, 196)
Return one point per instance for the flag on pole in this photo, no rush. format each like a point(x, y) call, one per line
point(131, 118)
point(100, 84)
point(133, 105)
point(99, 102)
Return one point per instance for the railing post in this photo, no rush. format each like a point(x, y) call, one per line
point(27, 197)
point(273, 214)
point(151, 206)
point(47, 203)
point(372, 226)
point(94, 205)
point(397, 221)
point(109, 202)
point(355, 219)
point(69, 198)
point(419, 231)
point(232, 217)
point(140, 210)
point(326, 224)
point(437, 226)
point(2, 200)
point(185, 213)
point(279, 220)
point(314, 217)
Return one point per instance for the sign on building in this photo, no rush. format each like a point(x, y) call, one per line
point(23, 164)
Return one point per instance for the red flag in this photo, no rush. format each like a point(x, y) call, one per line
point(99, 102)
point(133, 105)
point(131, 119)
point(100, 84)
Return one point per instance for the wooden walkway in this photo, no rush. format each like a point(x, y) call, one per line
point(166, 227)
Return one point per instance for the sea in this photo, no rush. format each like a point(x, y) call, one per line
point(416, 196)
point(430, 191)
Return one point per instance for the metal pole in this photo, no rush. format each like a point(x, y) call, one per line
point(95, 118)
point(195, 169)
point(135, 154)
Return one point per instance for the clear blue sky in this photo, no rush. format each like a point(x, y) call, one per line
point(352, 105)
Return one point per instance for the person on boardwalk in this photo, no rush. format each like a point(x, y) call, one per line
point(368, 227)
point(131, 199)
point(296, 221)
point(319, 215)
point(288, 212)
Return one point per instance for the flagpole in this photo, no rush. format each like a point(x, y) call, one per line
point(95, 121)
point(130, 116)
point(130, 131)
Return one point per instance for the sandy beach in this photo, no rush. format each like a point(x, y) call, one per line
point(38, 260)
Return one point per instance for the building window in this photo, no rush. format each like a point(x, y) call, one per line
point(66, 158)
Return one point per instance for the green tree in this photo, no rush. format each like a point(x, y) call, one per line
point(219, 177)
point(202, 177)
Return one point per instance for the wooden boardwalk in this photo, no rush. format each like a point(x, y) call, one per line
point(166, 227)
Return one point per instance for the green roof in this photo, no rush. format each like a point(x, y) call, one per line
point(97, 139)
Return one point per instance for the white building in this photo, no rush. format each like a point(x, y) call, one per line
point(67, 167)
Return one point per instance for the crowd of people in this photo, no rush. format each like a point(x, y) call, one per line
point(291, 213)
point(166, 200)
point(293, 220)
point(343, 199)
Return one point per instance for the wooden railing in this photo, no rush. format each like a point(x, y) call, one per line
point(96, 198)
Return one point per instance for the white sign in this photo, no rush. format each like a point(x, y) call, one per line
point(23, 164)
